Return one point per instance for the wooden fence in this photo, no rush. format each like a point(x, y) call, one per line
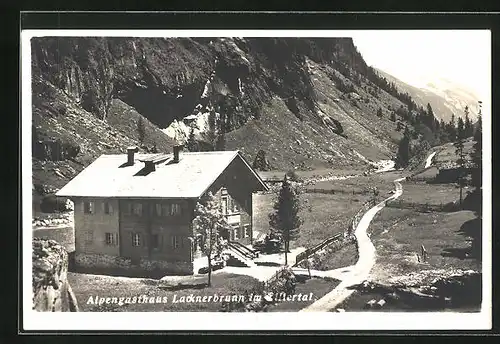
point(442, 207)
point(310, 251)
point(276, 276)
point(334, 191)
point(351, 228)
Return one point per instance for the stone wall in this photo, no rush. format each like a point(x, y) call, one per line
point(51, 290)
point(101, 263)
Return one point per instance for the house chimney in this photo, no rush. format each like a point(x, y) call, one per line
point(177, 150)
point(149, 166)
point(130, 154)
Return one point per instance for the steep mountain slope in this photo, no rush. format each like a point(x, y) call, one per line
point(446, 98)
point(309, 103)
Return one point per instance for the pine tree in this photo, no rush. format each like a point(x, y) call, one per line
point(393, 116)
point(285, 220)
point(220, 144)
point(477, 166)
point(192, 144)
point(430, 113)
point(210, 223)
point(403, 155)
point(459, 150)
point(468, 127)
point(212, 132)
point(260, 162)
point(141, 130)
point(379, 112)
point(452, 129)
point(443, 132)
point(154, 149)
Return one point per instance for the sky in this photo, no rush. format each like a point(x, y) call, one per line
point(418, 56)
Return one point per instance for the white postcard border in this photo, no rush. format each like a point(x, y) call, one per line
point(172, 321)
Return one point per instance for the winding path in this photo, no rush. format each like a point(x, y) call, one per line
point(359, 272)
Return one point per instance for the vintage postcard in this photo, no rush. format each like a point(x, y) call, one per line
point(256, 180)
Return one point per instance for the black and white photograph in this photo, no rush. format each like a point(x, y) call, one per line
point(238, 174)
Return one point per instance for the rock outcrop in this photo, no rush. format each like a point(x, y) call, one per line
point(51, 290)
point(309, 102)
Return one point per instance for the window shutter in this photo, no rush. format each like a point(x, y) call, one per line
point(116, 238)
point(110, 205)
point(103, 207)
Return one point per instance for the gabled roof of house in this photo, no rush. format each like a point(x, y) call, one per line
point(110, 176)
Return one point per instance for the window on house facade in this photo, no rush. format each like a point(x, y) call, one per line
point(136, 239)
point(111, 239)
point(165, 210)
point(155, 241)
point(88, 207)
point(235, 208)
point(236, 233)
point(247, 231)
point(137, 209)
point(175, 242)
point(224, 205)
point(89, 238)
point(108, 209)
point(158, 209)
point(175, 209)
point(127, 209)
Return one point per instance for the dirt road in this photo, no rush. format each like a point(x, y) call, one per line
point(366, 260)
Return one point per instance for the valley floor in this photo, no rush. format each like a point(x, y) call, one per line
point(396, 233)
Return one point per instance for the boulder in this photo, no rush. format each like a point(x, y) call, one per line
point(370, 304)
point(380, 303)
point(51, 289)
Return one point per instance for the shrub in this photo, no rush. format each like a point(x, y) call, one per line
point(51, 204)
point(293, 176)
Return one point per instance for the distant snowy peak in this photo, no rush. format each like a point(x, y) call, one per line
point(445, 96)
point(456, 97)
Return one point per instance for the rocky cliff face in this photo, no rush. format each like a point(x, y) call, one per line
point(309, 103)
point(51, 290)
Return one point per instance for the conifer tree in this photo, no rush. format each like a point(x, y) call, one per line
point(260, 162)
point(443, 132)
point(220, 143)
point(379, 112)
point(477, 166)
point(191, 143)
point(468, 127)
point(403, 155)
point(284, 220)
point(141, 130)
point(459, 150)
point(393, 116)
point(452, 129)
